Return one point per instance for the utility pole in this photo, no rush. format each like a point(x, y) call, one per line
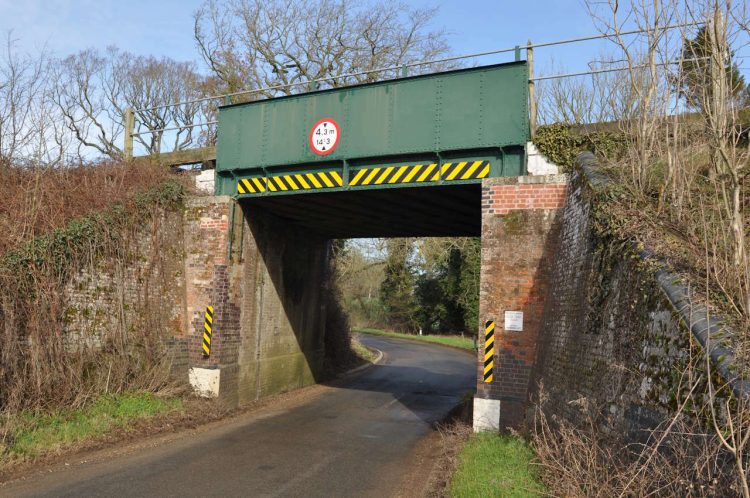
point(129, 128)
point(532, 95)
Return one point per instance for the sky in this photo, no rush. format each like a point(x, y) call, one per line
point(164, 27)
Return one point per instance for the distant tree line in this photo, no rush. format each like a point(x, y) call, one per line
point(409, 284)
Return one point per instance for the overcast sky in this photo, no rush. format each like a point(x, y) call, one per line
point(164, 27)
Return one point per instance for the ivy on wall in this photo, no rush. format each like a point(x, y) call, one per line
point(54, 252)
point(561, 143)
point(43, 366)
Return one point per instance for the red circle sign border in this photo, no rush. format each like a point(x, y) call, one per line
point(335, 143)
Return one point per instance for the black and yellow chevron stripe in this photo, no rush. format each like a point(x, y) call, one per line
point(418, 173)
point(207, 331)
point(385, 175)
point(282, 183)
point(489, 350)
point(304, 181)
point(254, 185)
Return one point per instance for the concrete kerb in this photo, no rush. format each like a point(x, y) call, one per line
point(378, 358)
point(708, 329)
point(472, 351)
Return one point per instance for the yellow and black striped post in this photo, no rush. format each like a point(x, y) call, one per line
point(489, 349)
point(207, 331)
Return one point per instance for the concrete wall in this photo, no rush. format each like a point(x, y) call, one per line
point(263, 277)
point(519, 223)
point(283, 314)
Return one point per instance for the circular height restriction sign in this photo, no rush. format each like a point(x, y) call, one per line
point(324, 136)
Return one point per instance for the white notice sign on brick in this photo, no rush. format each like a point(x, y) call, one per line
point(514, 321)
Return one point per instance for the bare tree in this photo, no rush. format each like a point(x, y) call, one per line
point(254, 44)
point(595, 98)
point(30, 128)
point(646, 60)
point(729, 159)
point(94, 90)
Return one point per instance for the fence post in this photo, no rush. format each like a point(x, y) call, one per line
point(129, 126)
point(532, 94)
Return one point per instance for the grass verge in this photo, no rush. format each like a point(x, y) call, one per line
point(495, 465)
point(29, 436)
point(447, 340)
point(361, 351)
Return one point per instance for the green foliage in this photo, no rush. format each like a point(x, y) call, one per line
point(495, 465)
point(468, 296)
point(695, 86)
point(32, 435)
point(743, 121)
point(39, 368)
point(448, 291)
point(397, 289)
point(54, 252)
point(362, 352)
point(560, 143)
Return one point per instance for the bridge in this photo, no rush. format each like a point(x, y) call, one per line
point(440, 154)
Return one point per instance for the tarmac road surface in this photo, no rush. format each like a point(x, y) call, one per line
point(357, 438)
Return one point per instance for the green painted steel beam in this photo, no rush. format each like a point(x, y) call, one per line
point(470, 114)
point(369, 175)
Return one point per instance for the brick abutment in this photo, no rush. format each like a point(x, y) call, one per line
point(519, 223)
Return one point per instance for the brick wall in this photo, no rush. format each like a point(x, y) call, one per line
point(519, 219)
point(609, 336)
point(502, 199)
point(208, 276)
point(263, 277)
point(137, 290)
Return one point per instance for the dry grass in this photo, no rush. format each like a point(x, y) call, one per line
point(691, 235)
point(679, 458)
point(41, 368)
point(453, 437)
point(36, 200)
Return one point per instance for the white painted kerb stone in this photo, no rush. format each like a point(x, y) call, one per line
point(205, 381)
point(486, 415)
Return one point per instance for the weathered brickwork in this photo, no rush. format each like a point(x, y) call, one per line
point(263, 277)
point(502, 199)
point(207, 276)
point(138, 291)
point(519, 218)
point(609, 335)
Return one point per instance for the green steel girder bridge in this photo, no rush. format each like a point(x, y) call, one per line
point(403, 157)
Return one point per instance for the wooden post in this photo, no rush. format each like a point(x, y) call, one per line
point(532, 95)
point(129, 126)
